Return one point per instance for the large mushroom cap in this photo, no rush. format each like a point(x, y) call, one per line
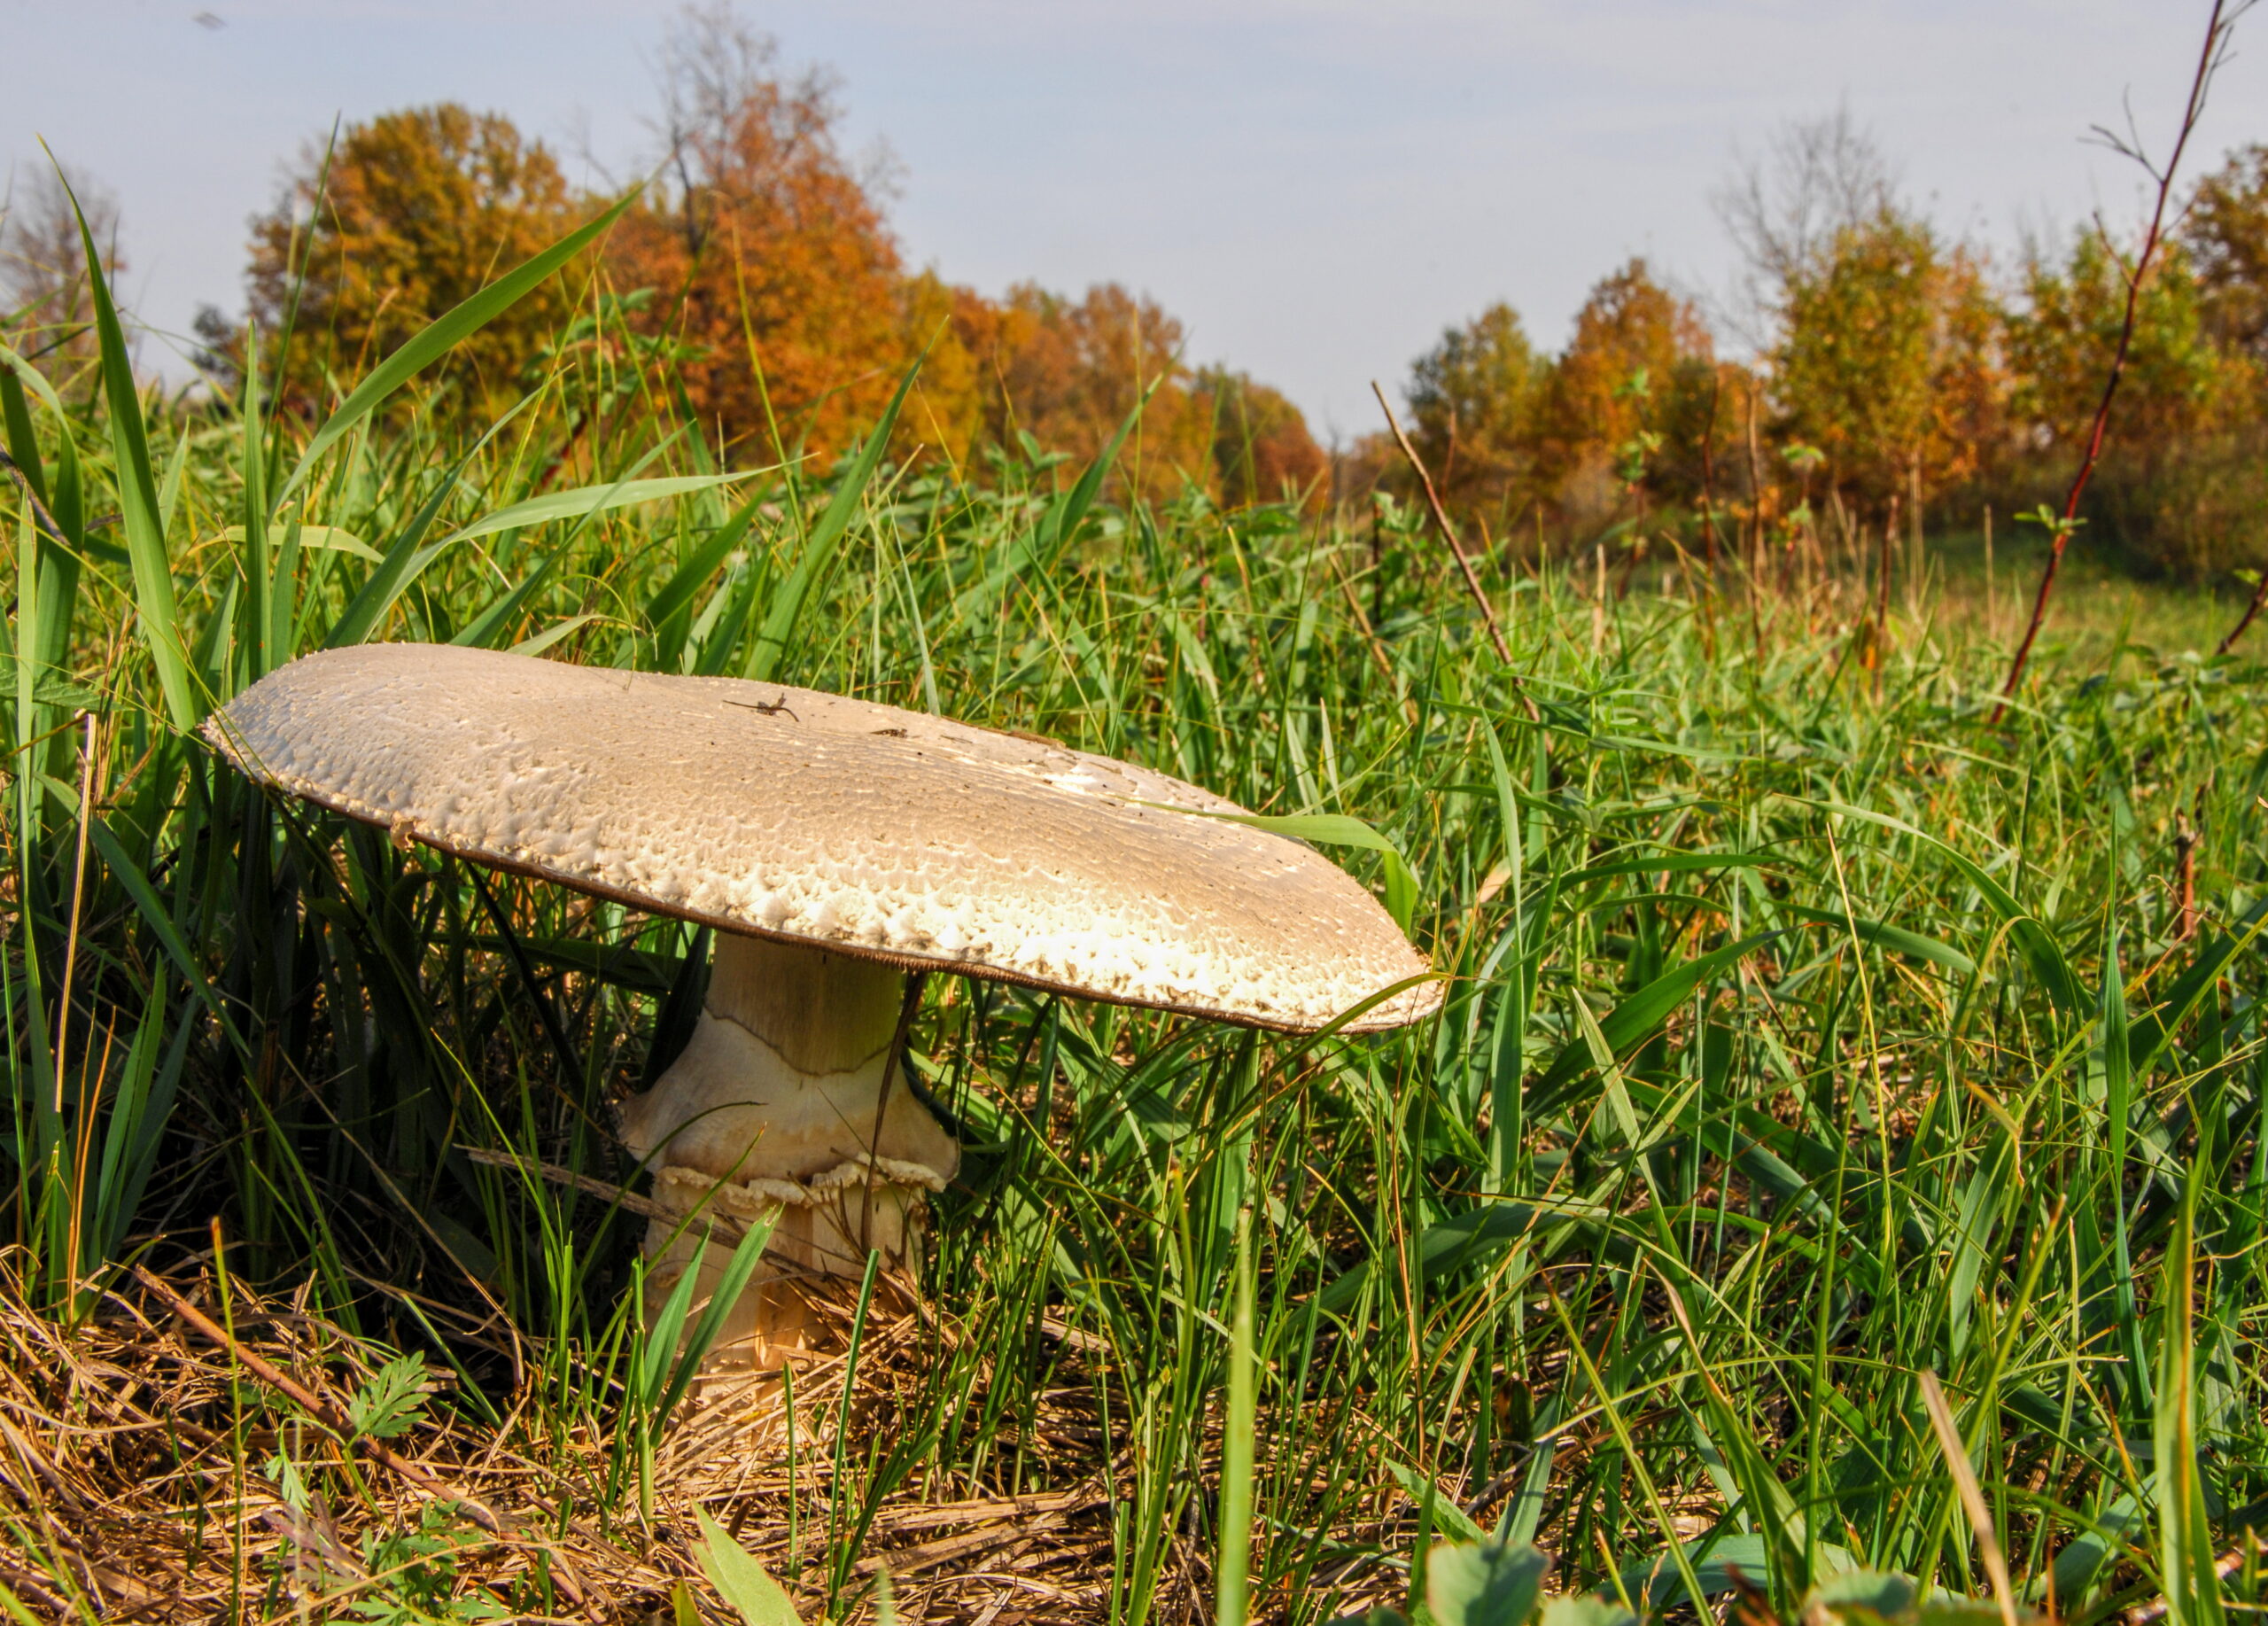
point(810, 817)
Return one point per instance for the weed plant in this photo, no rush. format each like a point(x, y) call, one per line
point(1804, 1036)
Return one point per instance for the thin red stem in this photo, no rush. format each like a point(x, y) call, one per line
point(2215, 32)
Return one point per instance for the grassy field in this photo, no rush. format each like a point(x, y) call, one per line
point(1810, 1039)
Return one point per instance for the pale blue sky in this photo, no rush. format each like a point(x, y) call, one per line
point(1315, 188)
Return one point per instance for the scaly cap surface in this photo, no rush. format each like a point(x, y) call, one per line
point(811, 818)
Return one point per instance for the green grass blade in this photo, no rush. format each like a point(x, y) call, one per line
point(731, 1283)
point(587, 501)
point(661, 1336)
point(1337, 830)
point(667, 609)
point(159, 611)
point(2188, 1565)
point(1231, 1603)
point(441, 336)
point(817, 556)
point(253, 562)
point(407, 556)
point(2041, 953)
point(162, 926)
point(740, 1579)
point(1638, 1015)
point(16, 420)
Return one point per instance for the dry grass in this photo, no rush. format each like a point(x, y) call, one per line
point(140, 1459)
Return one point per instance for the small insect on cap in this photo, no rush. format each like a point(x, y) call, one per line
point(840, 824)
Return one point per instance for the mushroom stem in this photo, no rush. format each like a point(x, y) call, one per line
point(779, 1105)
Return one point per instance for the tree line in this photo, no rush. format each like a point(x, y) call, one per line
point(757, 261)
point(1885, 372)
point(1890, 374)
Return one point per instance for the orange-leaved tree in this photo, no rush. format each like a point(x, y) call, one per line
point(417, 211)
point(1610, 399)
point(767, 251)
point(1067, 372)
point(1263, 451)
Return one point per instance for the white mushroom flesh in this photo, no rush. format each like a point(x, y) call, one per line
point(788, 1105)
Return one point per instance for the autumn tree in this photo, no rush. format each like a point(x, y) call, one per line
point(416, 211)
point(1262, 451)
point(1068, 372)
point(756, 279)
point(946, 416)
point(2225, 235)
point(1607, 426)
point(766, 246)
point(1607, 400)
point(2062, 339)
point(1474, 400)
point(2173, 485)
point(1886, 360)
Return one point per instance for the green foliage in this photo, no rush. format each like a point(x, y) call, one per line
point(1883, 360)
point(1799, 1039)
point(416, 1578)
point(394, 1401)
point(1472, 403)
point(1488, 1583)
point(2178, 483)
point(741, 1581)
point(1483, 1584)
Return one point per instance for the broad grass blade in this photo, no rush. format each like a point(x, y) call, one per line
point(818, 554)
point(1636, 1016)
point(1231, 1604)
point(2187, 1568)
point(585, 501)
point(730, 1284)
point(407, 558)
point(2041, 953)
point(740, 1580)
point(160, 613)
point(441, 335)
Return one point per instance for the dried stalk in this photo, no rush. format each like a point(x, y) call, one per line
point(1448, 531)
point(330, 1418)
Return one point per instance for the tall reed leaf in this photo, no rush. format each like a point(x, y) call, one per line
point(666, 611)
point(442, 334)
point(1339, 830)
point(253, 558)
point(584, 501)
point(2185, 1558)
point(16, 420)
point(1229, 1607)
point(406, 557)
point(819, 548)
point(2041, 953)
point(137, 496)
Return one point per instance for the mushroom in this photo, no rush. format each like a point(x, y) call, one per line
point(837, 845)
